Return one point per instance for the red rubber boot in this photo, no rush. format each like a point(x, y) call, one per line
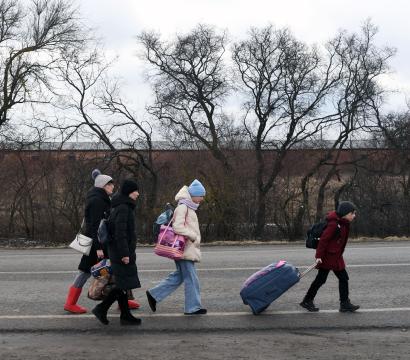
point(71, 302)
point(133, 304)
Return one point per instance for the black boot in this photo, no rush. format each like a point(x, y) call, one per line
point(100, 311)
point(101, 314)
point(151, 301)
point(126, 318)
point(347, 306)
point(309, 305)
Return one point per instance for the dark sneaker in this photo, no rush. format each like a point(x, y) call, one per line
point(198, 312)
point(347, 306)
point(100, 315)
point(151, 301)
point(130, 320)
point(309, 306)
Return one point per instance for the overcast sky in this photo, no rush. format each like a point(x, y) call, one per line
point(117, 22)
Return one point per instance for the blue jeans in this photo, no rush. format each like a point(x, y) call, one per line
point(185, 273)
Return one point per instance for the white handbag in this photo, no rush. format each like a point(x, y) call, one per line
point(82, 243)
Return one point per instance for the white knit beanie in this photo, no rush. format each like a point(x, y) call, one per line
point(100, 180)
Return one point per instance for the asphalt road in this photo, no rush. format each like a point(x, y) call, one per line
point(33, 324)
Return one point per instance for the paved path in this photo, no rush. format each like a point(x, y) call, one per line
point(34, 283)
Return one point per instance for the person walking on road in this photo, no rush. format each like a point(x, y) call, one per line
point(121, 251)
point(329, 256)
point(97, 206)
point(185, 223)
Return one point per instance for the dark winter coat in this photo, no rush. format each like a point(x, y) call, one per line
point(124, 242)
point(97, 206)
point(333, 242)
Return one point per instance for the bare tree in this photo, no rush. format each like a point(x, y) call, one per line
point(395, 129)
point(359, 94)
point(395, 134)
point(31, 38)
point(285, 83)
point(190, 84)
point(140, 145)
point(294, 93)
point(99, 112)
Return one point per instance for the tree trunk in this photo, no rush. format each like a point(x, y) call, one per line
point(321, 194)
point(260, 215)
point(298, 222)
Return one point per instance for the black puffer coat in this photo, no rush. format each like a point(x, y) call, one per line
point(124, 242)
point(97, 206)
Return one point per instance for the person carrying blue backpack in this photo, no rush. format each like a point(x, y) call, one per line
point(185, 222)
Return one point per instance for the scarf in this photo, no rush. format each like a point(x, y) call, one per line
point(189, 203)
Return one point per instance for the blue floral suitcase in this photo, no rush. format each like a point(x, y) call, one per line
point(267, 284)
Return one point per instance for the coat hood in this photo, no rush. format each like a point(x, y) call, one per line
point(332, 216)
point(183, 193)
point(97, 193)
point(119, 199)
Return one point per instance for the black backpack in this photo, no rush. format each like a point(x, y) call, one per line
point(315, 232)
point(104, 234)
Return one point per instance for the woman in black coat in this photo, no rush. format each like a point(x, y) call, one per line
point(121, 251)
point(97, 206)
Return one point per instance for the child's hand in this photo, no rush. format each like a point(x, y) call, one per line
point(318, 261)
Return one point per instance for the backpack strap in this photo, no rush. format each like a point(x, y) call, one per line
point(337, 226)
point(170, 222)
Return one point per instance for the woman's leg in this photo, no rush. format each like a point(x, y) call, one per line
point(100, 311)
point(168, 285)
point(192, 287)
point(74, 293)
point(132, 303)
point(81, 279)
point(126, 318)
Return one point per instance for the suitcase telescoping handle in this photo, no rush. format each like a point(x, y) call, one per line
point(309, 269)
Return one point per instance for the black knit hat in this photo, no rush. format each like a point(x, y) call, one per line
point(128, 186)
point(344, 208)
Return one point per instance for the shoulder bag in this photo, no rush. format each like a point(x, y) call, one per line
point(170, 245)
point(82, 243)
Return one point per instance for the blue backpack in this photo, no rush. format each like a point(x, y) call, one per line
point(163, 219)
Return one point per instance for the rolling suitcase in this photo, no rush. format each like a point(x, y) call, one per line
point(267, 284)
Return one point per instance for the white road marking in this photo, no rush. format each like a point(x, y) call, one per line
point(277, 248)
point(198, 269)
point(226, 314)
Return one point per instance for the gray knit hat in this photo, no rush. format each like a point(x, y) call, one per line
point(100, 180)
point(345, 207)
